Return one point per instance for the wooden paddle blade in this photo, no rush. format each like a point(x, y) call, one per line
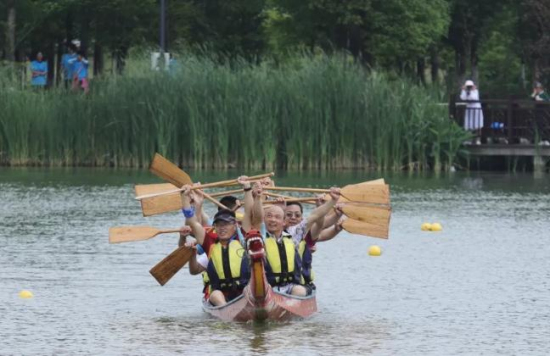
point(366, 229)
point(144, 189)
point(366, 213)
point(168, 171)
point(171, 264)
point(375, 181)
point(131, 233)
point(161, 204)
point(370, 193)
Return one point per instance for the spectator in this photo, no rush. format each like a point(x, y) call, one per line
point(473, 116)
point(80, 72)
point(39, 69)
point(67, 61)
point(539, 94)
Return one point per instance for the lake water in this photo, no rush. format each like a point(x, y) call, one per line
point(479, 287)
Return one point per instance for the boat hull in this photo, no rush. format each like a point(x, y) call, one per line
point(275, 306)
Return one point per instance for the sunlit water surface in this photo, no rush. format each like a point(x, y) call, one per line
point(479, 287)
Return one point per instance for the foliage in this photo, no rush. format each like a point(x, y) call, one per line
point(313, 112)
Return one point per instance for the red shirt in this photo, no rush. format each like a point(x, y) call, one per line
point(211, 237)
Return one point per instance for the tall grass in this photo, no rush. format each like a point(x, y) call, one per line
point(311, 112)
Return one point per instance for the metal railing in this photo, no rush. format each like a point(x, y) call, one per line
point(504, 121)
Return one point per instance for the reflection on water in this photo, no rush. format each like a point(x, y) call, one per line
point(478, 287)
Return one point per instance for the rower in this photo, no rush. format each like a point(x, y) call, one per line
point(284, 265)
point(228, 266)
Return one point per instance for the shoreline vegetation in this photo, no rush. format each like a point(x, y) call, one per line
point(308, 112)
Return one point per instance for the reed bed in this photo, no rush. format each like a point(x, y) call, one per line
point(310, 112)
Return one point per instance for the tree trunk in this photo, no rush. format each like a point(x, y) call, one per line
point(10, 31)
point(420, 70)
point(50, 58)
point(434, 65)
point(58, 69)
point(98, 59)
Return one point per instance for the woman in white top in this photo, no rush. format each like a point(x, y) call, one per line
point(473, 116)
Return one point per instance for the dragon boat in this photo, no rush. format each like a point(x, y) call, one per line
point(259, 302)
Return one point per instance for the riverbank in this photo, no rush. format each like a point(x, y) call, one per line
point(311, 112)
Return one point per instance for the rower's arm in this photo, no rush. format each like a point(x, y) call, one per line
point(257, 209)
point(324, 209)
point(191, 220)
point(248, 203)
point(329, 233)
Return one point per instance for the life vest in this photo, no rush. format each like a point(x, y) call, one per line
point(227, 269)
point(305, 255)
point(281, 261)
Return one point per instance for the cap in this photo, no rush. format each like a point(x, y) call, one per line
point(225, 215)
point(469, 83)
point(538, 85)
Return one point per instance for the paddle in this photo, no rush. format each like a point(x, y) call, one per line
point(143, 189)
point(374, 215)
point(366, 229)
point(365, 193)
point(134, 233)
point(171, 264)
point(225, 183)
point(168, 171)
point(227, 192)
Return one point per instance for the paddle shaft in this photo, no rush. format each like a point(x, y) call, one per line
point(208, 197)
point(167, 231)
point(293, 200)
point(225, 183)
point(294, 189)
point(227, 192)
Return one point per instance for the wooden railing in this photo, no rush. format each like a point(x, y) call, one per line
point(505, 121)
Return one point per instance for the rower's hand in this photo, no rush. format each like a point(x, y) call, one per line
point(185, 231)
point(339, 226)
point(191, 242)
point(281, 202)
point(244, 182)
point(335, 193)
point(338, 209)
point(257, 190)
point(267, 182)
point(320, 200)
point(186, 195)
point(197, 196)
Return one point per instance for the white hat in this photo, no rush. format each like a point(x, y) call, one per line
point(469, 83)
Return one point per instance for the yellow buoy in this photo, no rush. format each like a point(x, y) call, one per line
point(426, 227)
point(375, 250)
point(436, 227)
point(25, 294)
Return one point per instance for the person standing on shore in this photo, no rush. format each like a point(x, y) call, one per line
point(39, 69)
point(473, 116)
point(67, 61)
point(80, 72)
point(539, 94)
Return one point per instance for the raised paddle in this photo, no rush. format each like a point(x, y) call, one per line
point(375, 215)
point(366, 229)
point(225, 183)
point(171, 264)
point(227, 192)
point(135, 233)
point(143, 189)
point(168, 171)
point(365, 193)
